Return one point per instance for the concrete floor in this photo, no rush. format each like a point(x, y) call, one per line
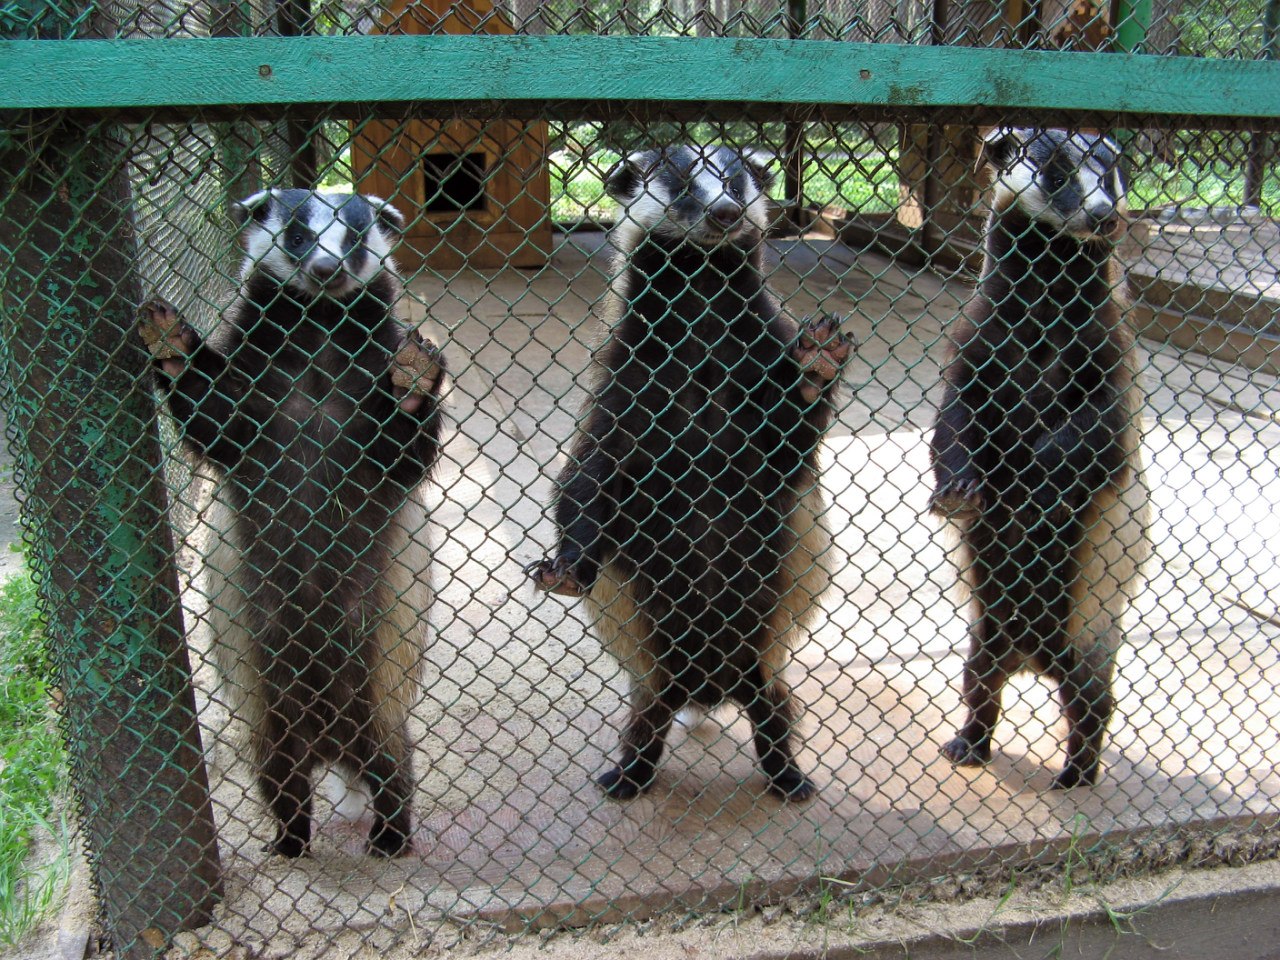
point(521, 708)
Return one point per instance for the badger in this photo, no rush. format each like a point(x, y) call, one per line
point(318, 413)
point(689, 512)
point(1035, 449)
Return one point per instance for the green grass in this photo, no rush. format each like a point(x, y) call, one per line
point(577, 186)
point(856, 184)
point(1192, 185)
point(32, 768)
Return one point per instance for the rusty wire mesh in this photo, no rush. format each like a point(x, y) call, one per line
point(512, 704)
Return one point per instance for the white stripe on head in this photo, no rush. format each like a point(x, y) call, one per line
point(645, 206)
point(709, 180)
point(385, 228)
point(1019, 183)
point(260, 234)
point(331, 233)
point(1095, 196)
point(1117, 176)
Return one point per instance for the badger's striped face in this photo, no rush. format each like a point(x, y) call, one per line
point(707, 195)
point(314, 243)
point(1072, 182)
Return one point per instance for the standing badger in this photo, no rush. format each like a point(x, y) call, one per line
point(1035, 450)
point(689, 514)
point(319, 414)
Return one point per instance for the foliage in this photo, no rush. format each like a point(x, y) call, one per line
point(1191, 184)
point(1220, 28)
point(32, 767)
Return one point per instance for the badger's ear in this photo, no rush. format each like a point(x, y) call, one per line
point(626, 180)
point(760, 173)
point(389, 218)
point(251, 208)
point(1002, 146)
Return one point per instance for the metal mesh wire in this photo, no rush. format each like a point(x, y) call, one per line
point(1182, 27)
point(507, 260)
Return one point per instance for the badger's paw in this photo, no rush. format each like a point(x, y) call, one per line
point(169, 338)
point(1052, 508)
point(417, 373)
point(389, 840)
point(555, 576)
point(1074, 775)
point(288, 845)
point(821, 351)
point(958, 500)
point(963, 752)
point(619, 783)
point(792, 785)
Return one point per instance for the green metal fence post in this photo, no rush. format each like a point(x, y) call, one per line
point(95, 510)
point(1133, 22)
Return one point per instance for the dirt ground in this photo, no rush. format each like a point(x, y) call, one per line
point(521, 708)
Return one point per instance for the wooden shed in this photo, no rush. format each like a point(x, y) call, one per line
point(475, 193)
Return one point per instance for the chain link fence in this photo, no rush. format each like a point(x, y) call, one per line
point(311, 544)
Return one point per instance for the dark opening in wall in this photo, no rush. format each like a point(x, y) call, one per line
point(454, 181)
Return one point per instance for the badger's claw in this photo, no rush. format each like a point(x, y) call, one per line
point(554, 576)
point(169, 338)
point(960, 499)
point(416, 372)
point(790, 784)
point(821, 352)
point(963, 752)
point(388, 840)
point(1073, 775)
point(618, 785)
point(288, 845)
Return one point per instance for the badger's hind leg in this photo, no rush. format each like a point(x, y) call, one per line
point(284, 777)
point(990, 663)
point(1088, 705)
point(385, 770)
point(1109, 561)
point(379, 745)
point(643, 740)
point(772, 714)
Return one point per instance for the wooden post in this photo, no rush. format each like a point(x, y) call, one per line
point(1259, 150)
point(229, 18)
point(94, 506)
point(293, 19)
point(793, 139)
point(932, 193)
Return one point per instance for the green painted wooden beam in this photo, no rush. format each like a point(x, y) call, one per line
point(99, 74)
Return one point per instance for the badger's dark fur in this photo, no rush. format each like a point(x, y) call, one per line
point(689, 513)
point(1036, 446)
point(317, 411)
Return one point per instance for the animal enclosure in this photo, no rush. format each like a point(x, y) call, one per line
point(128, 134)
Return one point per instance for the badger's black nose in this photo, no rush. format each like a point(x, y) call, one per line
point(1104, 224)
point(725, 213)
point(1102, 218)
point(324, 269)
